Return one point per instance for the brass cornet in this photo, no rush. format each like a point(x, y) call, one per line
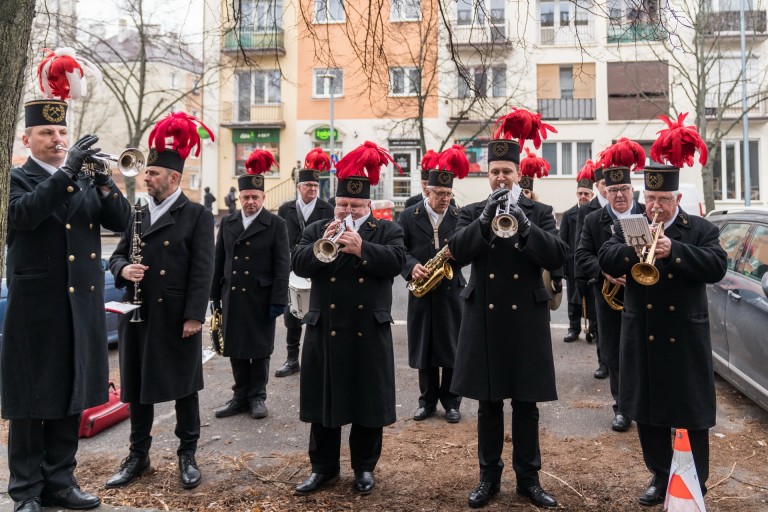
point(645, 272)
point(610, 290)
point(503, 224)
point(130, 162)
point(327, 249)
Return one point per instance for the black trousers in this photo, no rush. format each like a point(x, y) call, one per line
point(41, 456)
point(433, 389)
point(526, 455)
point(574, 316)
point(325, 448)
point(293, 328)
point(187, 425)
point(251, 377)
point(657, 445)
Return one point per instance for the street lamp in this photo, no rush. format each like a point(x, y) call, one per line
point(329, 77)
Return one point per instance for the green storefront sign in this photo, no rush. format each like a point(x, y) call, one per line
point(250, 136)
point(325, 134)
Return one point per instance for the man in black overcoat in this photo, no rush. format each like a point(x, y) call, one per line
point(298, 214)
point(348, 371)
point(667, 378)
point(505, 346)
point(568, 235)
point(250, 288)
point(598, 229)
point(433, 319)
point(54, 350)
point(161, 357)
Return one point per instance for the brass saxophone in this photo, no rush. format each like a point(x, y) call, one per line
point(217, 337)
point(439, 268)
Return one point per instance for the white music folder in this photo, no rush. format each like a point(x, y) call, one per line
point(637, 231)
point(120, 308)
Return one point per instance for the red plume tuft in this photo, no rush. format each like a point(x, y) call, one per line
point(454, 159)
point(588, 171)
point(260, 161)
point(533, 166)
point(365, 158)
point(430, 160)
point(678, 143)
point(623, 153)
point(62, 74)
point(318, 160)
point(182, 128)
point(522, 125)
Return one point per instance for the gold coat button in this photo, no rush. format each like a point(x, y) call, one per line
point(93, 255)
point(162, 272)
point(649, 306)
point(93, 288)
point(243, 289)
point(491, 276)
point(90, 226)
point(166, 243)
point(677, 260)
point(234, 272)
point(514, 307)
point(236, 258)
point(69, 226)
point(626, 260)
point(361, 280)
point(70, 189)
point(493, 246)
point(143, 244)
point(246, 272)
point(71, 289)
point(490, 306)
point(247, 258)
point(333, 333)
point(333, 306)
point(517, 245)
point(445, 240)
point(359, 306)
point(247, 243)
point(114, 196)
point(651, 337)
point(365, 262)
point(160, 300)
point(670, 276)
point(672, 340)
point(671, 308)
point(359, 335)
point(515, 276)
point(234, 288)
point(333, 279)
point(71, 257)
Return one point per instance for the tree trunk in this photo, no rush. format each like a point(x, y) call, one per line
point(15, 30)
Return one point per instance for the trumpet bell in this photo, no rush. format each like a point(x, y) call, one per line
point(504, 225)
point(325, 250)
point(645, 273)
point(130, 162)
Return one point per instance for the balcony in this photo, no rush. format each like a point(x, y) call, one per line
point(565, 109)
point(475, 111)
point(636, 31)
point(254, 40)
point(475, 35)
point(726, 24)
point(234, 115)
point(730, 106)
point(568, 35)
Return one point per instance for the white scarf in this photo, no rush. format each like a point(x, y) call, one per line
point(247, 221)
point(158, 210)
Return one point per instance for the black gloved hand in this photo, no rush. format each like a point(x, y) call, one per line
point(496, 197)
point(77, 154)
point(275, 310)
point(215, 306)
point(523, 224)
point(102, 177)
point(581, 286)
point(557, 286)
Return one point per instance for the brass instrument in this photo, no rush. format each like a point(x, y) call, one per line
point(327, 249)
point(217, 337)
point(610, 290)
point(645, 272)
point(503, 224)
point(130, 163)
point(439, 268)
point(136, 259)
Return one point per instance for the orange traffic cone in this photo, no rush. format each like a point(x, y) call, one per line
point(683, 488)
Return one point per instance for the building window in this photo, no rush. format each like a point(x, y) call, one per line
point(256, 88)
point(261, 15)
point(480, 12)
point(566, 158)
point(728, 171)
point(482, 85)
point(637, 90)
point(404, 81)
point(321, 88)
point(724, 91)
point(634, 20)
point(329, 11)
point(249, 139)
point(405, 10)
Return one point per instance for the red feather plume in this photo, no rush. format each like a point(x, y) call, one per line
point(318, 160)
point(182, 128)
point(678, 143)
point(522, 125)
point(454, 159)
point(430, 160)
point(260, 161)
point(367, 158)
point(588, 171)
point(624, 153)
point(533, 166)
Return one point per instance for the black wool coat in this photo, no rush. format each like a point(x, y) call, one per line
point(156, 363)
point(290, 214)
point(505, 346)
point(666, 353)
point(568, 235)
point(250, 273)
point(347, 363)
point(598, 229)
point(54, 352)
point(434, 319)
point(414, 199)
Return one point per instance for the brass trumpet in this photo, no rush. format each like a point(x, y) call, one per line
point(130, 162)
point(327, 249)
point(503, 224)
point(610, 290)
point(645, 272)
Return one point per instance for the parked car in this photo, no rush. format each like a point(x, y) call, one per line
point(110, 293)
point(738, 304)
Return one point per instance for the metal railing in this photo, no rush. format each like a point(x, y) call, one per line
point(580, 33)
point(730, 106)
point(283, 191)
point(480, 34)
point(574, 108)
point(475, 109)
point(267, 113)
point(728, 21)
point(636, 31)
point(253, 39)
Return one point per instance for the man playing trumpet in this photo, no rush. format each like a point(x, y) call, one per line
point(434, 318)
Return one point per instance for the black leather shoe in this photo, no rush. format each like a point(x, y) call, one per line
point(652, 496)
point(589, 337)
point(538, 496)
point(258, 409)
point(315, 482)
point(290, 366)
point(482, 494)
point(189, 473)
point(423, 413)
point(452, 415)
point(72, 498)
point(364, 482)
point(571, 336)
point(132, 467)
point(601, 372)
point(621, 423)
point(28, 505)
point(234, 406)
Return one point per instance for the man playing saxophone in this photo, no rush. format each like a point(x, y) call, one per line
point(434, 316)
